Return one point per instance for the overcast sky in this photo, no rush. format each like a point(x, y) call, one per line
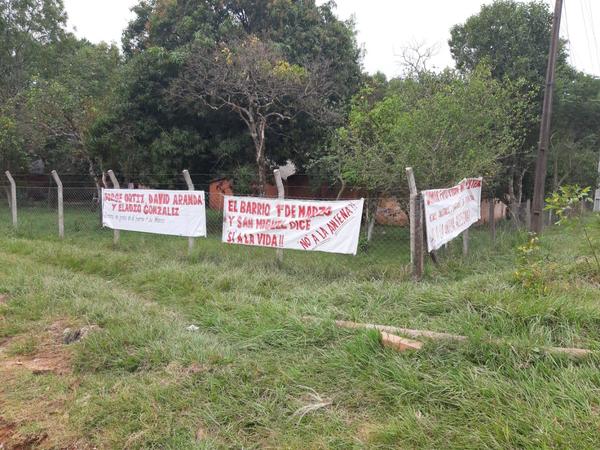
point(384, 27)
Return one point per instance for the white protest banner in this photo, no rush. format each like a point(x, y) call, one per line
point(449, 212)
point(326, 226)
point(176, 213)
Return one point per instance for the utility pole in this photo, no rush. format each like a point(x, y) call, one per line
point(537, 222)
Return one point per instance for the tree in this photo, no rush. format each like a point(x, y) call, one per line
point(575, 138)
point(12, 156)
point(59, 112)
point(513, 39)
point(159, 41)
point(446, 126)
point(252, 79)
point(28, 29)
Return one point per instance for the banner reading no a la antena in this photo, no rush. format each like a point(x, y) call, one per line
point(326, 226)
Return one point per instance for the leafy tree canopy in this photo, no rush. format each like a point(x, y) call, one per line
point(28, 29)
point(157, 44)
point(513, 38)
point(445, 126)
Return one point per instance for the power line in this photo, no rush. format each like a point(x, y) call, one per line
point(571, 53)
point(597, 54)
point(587, 34)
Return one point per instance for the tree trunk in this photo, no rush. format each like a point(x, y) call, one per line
point(262, 174)
point(342, 189)
point(371, 216)
point(258, 136)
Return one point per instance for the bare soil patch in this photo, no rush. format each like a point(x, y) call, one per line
point(50, 356)
point(10, 439)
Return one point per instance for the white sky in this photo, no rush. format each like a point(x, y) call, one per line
point(384, 27)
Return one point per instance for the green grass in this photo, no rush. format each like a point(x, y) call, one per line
point(144, 381)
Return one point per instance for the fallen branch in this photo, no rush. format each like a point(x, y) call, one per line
point(574, 352)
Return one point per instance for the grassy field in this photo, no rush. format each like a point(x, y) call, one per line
point(256, 375)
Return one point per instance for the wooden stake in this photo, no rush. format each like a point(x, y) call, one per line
point(190, 185)
point(404, 331)
point(13, 198)
point(465, 236)
point(116, 185)
point(280, 196)
point(61, 213)
point(397, 343)
point(436, 336)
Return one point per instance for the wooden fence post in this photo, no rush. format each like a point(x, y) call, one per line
point(280, 196)
point(190, 185)
point(116, 185)
point(416, 227)
point(61, 212)
point(465, 236)
point(492, 219)
point(13, 198)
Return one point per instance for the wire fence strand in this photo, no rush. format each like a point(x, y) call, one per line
point(383, 232)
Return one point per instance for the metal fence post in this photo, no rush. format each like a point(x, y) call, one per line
point(13, 198)
point(416, 227)
point(61, 213)
point(280, 196)
point(116, 185)
point(190, 185)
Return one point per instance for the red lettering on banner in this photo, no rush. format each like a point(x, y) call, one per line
point(187, 199)
point(153, 210)
point(255, 208)
point(310, 211)
point(159, 199)
point(113, 197)
point(339, 219)
point(305, 243)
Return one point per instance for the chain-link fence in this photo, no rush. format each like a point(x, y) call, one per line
point(384, 231)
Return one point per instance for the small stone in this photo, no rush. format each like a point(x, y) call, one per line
point(193, 328)
point(201, 434)
point(70, 335)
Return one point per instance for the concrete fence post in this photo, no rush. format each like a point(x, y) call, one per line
point(61, 212)
point(190, 185)
point(280, 196)
point(528, 214)
point(492, 219)
point(13, 198)
point(116, 185)
point(416, 227)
